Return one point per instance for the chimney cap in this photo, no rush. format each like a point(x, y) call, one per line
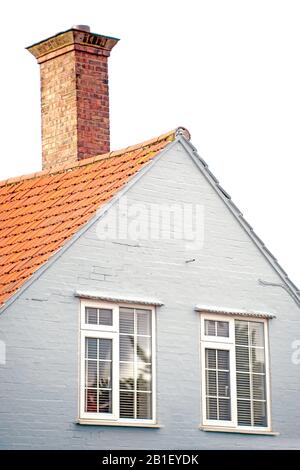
point(82, 27)
point(72, 38)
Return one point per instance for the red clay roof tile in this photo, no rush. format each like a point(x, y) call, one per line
point(41, 211)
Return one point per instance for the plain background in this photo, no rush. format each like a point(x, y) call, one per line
point(228, 70)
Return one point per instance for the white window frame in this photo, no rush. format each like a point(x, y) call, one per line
point(228, 343)
point(112, 332)
point(95, 304)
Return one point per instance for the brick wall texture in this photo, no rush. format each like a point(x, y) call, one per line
point(75, 107)
point(39, 382)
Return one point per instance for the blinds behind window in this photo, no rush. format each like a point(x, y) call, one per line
point(98, 375)
point(135, 363)
point(217, 371)
point(217, 328)
point(98, 316)
point(250, 373)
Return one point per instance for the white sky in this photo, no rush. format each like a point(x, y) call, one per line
point(228, 70)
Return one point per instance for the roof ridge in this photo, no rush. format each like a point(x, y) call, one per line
point(171, 135)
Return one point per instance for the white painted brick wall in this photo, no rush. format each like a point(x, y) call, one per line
point(38, 384)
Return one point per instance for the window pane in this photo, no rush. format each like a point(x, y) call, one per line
point(105, 349)
point(224, 410)
point(91, 348)
point(126, 348)
point(211, 358)
point(244, 412)
point(211, 408)
point(144, 348)
point(91, 371)
point(126, 320)
point(91, 401)
point(143, 376)
point(98, 375)
point(216, 328)
point(104, 374)
point(243, 385)
point(242, 359)
point(223, 359)
point(211, 383)
point(143, 322)
point(98, 316)
point(223, 384)
point(126, 404)
point(135, 363)
point(143, 405)
point(104, 401)
point(91, 316)
point(256, 332)
point(260, 413)
point(250, 378)
point(259, 387)
point(241, 332)
point(223, 329)
point(105, 316)
point(210, 327)
point(258, 360)
point(126, 375)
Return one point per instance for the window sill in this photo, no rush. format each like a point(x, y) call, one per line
point(238, 431)
point(94, 422)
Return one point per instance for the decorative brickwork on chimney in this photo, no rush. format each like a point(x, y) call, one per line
point(74, 95)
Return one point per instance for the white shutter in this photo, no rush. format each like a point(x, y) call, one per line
point(250, 373)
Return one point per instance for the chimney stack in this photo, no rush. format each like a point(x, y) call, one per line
point(74, 95)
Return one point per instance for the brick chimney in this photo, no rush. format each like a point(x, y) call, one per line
point(74, 95)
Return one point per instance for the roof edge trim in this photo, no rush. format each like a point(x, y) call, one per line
point(203, 167)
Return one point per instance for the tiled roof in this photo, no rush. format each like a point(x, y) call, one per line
point(41, 211)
